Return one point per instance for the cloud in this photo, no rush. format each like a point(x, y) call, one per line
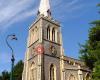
point(65, 5)
point(70, 9)
point(15, 10)
point(12, 11)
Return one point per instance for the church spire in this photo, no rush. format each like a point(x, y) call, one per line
point(44, 8)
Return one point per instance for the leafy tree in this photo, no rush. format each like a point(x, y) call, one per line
point(96, 71)
point(17, 74)
point(4, 75)
point(18, 69)
point(98, 4)
point(0, 77)
point(90, 51)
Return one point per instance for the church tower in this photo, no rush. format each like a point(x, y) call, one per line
point(43, 58)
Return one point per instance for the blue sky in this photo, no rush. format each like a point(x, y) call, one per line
point(17, 15)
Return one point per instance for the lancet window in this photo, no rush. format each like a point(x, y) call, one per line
point(48, 33)
point(53, 34)
point(52, 72)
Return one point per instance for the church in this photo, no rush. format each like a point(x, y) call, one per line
point(44, 57)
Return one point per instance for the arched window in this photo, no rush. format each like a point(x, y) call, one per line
point(53, 34)
point(52, 72)
point(36, 33)
point(48, 33)
point(72, 77)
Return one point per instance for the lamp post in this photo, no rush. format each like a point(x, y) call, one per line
point(11, 37)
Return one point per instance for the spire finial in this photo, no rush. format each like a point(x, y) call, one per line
point(44, 8)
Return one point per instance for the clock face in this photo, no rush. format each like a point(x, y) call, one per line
point(40, 49)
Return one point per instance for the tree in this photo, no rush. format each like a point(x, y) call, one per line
point(0, 77)
point(18, 69)
point(96, 71)
point(5, 75)
point(90, 51)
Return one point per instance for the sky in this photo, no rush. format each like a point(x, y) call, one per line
point(17, 15)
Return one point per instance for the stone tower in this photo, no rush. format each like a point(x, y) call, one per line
point(43, 58)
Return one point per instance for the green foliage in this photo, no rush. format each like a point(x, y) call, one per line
point(90, 51)
point(0, 77)
point(96, 23)
point(98, 4)
point(5, 75)
point(96, 71)
point(18, 69)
